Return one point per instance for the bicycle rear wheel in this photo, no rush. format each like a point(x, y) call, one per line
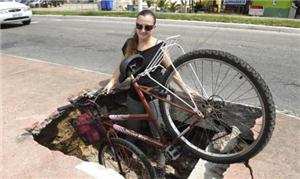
point(133, 162)
point(237, 104)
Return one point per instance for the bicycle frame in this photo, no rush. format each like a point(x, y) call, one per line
point(148, 116)
point(218, 118)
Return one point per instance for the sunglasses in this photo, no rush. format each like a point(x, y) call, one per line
point(146, 27)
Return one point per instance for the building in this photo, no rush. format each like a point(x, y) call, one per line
point(267, 8)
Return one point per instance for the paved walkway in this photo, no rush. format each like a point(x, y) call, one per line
point(31, 90)
point(279, 160)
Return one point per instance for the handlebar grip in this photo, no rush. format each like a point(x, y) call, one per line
point(66, 107)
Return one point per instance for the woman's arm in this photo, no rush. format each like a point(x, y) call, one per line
point(177, 78)
point(108, 88)
point(115, 77)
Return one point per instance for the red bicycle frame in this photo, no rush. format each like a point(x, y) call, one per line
point(148, 116)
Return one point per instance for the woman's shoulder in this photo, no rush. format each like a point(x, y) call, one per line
point(158, 41)
point(154, 48)
point(129, 40)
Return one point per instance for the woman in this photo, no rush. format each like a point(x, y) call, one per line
point(144, 43)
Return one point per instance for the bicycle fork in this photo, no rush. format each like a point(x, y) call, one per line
point(115, 152)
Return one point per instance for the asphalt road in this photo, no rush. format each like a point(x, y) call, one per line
point(94, 43)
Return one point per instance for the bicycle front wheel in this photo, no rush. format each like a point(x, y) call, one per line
point(237, 105)
point(125, 158)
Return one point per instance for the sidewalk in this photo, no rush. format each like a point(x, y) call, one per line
point(31, 90)
point(280, 159)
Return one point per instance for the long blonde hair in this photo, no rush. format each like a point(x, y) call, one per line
point(132, 44)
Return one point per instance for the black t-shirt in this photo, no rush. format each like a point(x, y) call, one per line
point(148, 55)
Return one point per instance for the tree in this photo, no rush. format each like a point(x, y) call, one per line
point(162, 4)
point(149, 3)
point(183, 6)
point(174, 6)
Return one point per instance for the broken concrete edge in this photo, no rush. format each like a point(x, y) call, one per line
point(62, 120)
point(35, 128)
point(288, 114)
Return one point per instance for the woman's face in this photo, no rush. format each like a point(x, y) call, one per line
point(145, 26)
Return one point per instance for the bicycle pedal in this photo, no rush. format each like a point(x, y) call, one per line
point(173, 152)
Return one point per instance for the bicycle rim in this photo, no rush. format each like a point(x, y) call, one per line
point(132, 165)
point(236, 102)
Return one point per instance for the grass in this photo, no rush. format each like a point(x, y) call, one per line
point(176, 16)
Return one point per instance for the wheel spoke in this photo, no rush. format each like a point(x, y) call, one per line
point(227, 84)
point(220, 65)
point(234, 100)
point(223, 79)
point(244, 93)
point(132, 161)
point(200, 84)
point(212, 77)
point(234, 91)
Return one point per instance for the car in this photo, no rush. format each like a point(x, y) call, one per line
point(26, 2)
point(12, 11)
point(37, 3)
point(56, 3)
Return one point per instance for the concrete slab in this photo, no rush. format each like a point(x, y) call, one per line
point(280, 159)
point(30, 91)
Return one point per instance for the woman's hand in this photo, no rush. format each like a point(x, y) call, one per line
point(110, 85)
point(192, 92)
point(108, 88)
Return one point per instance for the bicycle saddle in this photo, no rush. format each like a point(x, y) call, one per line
point(132, 65)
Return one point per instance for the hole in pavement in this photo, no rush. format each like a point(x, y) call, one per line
point(57, 133)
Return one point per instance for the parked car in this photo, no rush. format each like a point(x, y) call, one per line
point(26, 2)
point(37, 3)
point(11, 11)
point(56, 2)
point(46, 3)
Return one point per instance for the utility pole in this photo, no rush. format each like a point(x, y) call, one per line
point(140, 7)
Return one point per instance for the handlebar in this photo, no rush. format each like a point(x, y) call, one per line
point(81, 101)
point(64, 108)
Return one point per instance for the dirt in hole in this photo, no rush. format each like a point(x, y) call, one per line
point(57, 133)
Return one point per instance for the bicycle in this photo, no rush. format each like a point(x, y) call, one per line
point(229, 118)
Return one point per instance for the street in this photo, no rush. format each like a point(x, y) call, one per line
point(95, 43)
point(31, 90)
